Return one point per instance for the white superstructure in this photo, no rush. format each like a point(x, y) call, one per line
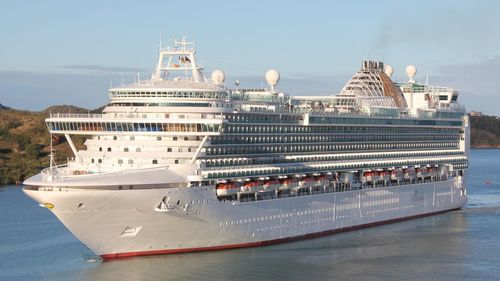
point(181, 163)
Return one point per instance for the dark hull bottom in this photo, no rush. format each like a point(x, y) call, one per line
point(268, 242)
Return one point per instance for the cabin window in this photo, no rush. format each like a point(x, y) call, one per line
point(115, 137)
point(169, 149)
point(120, 161)
point(130, 161)
point(158, 138)
point(132, 138)
point(99, 161)
point(445, 98)
point(125, 149)
point(109, 148)
point(176, 162)
point(138, 149)
point(92, 160)
point(100, 148)
point(174, 138)
point(155, 161)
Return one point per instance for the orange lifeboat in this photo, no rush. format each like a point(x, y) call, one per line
point(396, 174)
point(307, 182)
point(226, 189)
point(271, 185)
point(384, 175)
point(251, 187)
point(409, 173)
point(367, 176)
point(321, 181)
point(287, 184)
point(432, 172)
point(422, 172)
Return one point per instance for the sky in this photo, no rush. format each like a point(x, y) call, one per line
point(71, 52)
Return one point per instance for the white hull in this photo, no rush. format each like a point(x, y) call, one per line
point(201, 222)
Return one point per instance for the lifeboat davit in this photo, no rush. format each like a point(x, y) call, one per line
point(227, 189)
point(251, 187)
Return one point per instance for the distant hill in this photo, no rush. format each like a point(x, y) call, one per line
point(65, 109)
point(25, 140)
point(485, 131)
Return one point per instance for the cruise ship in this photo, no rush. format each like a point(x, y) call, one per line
point(180, 162)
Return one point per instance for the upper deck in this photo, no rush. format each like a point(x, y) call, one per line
point(179, 99)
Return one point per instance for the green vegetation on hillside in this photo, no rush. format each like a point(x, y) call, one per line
point(485, 131)
point(25, 141)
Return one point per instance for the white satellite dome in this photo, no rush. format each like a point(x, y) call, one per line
point(411, 71)
point(388, 70)
point(272, 77)
point(218, 77)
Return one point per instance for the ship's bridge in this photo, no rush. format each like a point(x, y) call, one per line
point(177, 76)
point(170, 89)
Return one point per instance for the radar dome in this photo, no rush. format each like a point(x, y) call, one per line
point(218, 77)
point(272, 77)
point(388, 70)
point(411, 70)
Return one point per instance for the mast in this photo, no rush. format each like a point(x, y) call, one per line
point(179, 58)
point(52, 161)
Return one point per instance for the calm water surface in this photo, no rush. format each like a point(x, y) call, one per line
point(461, 245)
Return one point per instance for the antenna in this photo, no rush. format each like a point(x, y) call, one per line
point(225, 64)
point(159, 43)
point(138, 78)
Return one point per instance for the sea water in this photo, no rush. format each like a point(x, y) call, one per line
point(460, 245)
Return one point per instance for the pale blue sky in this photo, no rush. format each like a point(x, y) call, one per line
point(68, 52)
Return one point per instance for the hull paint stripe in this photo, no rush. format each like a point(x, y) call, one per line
point(266, 242)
